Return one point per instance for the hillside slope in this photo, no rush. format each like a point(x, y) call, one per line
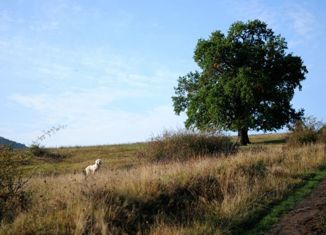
point(13, 144)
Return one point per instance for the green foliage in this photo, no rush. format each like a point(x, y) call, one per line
point(322, 134)
point(246, 81)
point(38, 151)
point(183, 145)
point(306, 131)
point(13, 198)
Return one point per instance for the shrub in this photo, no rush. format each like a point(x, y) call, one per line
point(183, 145)
point(13, 198)
point(304, 132)
point(38, 151)
point(322, 134)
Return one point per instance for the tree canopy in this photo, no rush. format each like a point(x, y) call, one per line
point(246, 81)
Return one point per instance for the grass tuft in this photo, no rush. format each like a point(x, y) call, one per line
point(183, 145)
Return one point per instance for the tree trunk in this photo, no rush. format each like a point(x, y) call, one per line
point(244, 139)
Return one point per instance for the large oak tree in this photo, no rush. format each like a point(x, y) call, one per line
point(246, 81)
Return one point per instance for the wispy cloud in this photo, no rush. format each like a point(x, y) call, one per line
point(304, 22)
point(83, 90)
point(90, 119)
point(291, 18)
point(255, 9)
point(93, 90)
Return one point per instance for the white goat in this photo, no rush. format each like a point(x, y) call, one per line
point(93, 168)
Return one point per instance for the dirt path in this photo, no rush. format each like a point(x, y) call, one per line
point(308, 217)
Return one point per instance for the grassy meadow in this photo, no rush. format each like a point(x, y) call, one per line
point(75, 159)
point(131, 194)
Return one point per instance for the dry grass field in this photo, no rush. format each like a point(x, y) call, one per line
point(74, 159)
point(131, 195)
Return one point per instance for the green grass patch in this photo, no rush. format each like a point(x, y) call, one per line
point(285, 205)
point(268, 138)
point(114, 156)
point(77, 158)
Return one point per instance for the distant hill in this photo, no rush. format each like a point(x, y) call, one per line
point(13, 144)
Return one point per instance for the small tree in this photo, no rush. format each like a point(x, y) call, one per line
point(246, 81)
point(306, 131)
point(13, 198)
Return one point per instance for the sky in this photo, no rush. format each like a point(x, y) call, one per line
point(106, 70)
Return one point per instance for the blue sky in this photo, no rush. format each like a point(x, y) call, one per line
point(106, 69)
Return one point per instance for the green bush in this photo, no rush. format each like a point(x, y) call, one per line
point(183, 145)
point(38, 151)
point(306, 131)
point(322, 134)
point(13, 198)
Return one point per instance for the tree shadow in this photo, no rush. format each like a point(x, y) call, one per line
point(273, 141)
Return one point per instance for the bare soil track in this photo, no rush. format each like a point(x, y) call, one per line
point(308, 217)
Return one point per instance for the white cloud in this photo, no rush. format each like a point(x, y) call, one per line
point(92, 116)
point(80, 89)
point(109, 126)
point(292, 18)
point(91, 121)
point(304, 22)
point(80, 86)
point(256, 9)
point(73, 103)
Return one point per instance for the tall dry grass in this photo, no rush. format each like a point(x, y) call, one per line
point(13, 197)
point(307, 131)
point(182, 145)
point(200, 196)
